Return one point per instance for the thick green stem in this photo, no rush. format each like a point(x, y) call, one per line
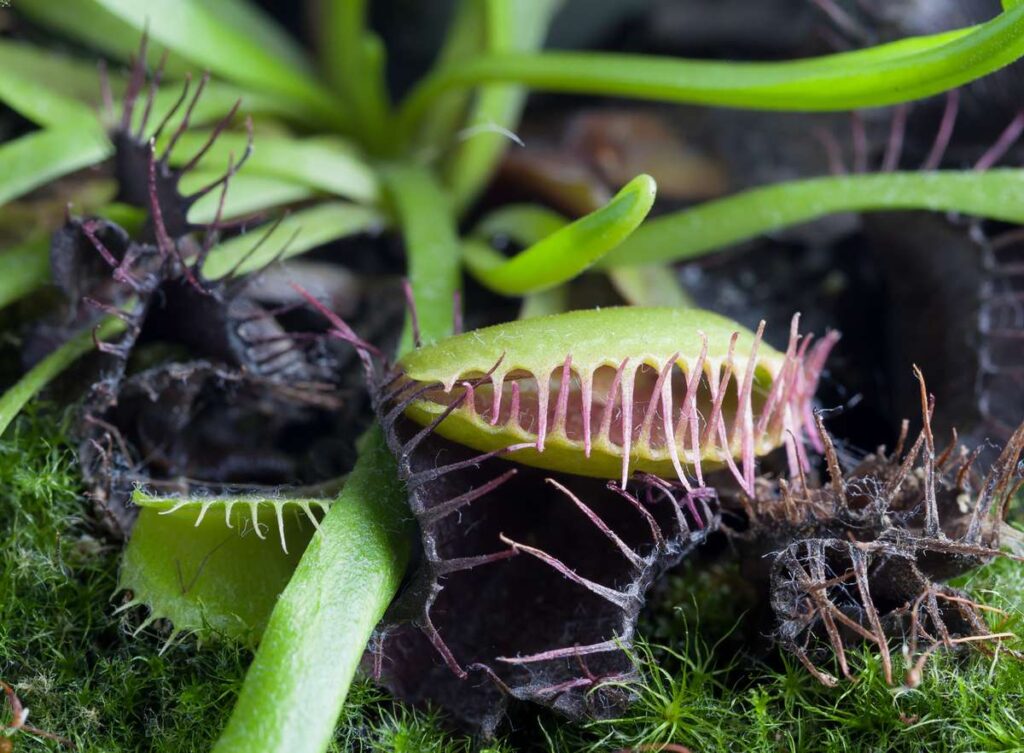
point(352, 568)
point(318, 630)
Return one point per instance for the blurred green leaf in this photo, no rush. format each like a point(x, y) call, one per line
point(465, 36)
point(649, 285)
point(293, 235)
point(526, 224)
point(47, 74)
point(12, 401)
point(190, 29)
point(551, 301)
point(887, 74)
point(997, 194)
point(252, 21)
point(325, 164)
point(352, 59)
point(510, 26)
point(24, 268)
point(40, 104)
point(217, 100)
point(88, 21)
point(567, 252)
point(247, 194)
point(52, 72)
point(36, 158)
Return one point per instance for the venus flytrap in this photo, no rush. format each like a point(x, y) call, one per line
point(542, 391)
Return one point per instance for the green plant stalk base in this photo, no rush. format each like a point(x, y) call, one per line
point(295, 688)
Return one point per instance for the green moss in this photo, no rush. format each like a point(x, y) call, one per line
point(716, 697)
point(82, 675)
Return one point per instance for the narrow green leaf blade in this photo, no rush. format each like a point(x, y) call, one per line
point(425, 215)
point(89, 22)
point(295, 234)
point(567, 252)
point(253, 22)
point(247, 194)
point(324, 164)
point(30, 72)
point(511, 26)
point(40, 105)
point(888, 74)
point(36, 158)
point(997, 194)
point(352, 59)
point(188, 28)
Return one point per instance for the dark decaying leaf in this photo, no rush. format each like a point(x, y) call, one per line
point(864, 557)
point(250, 403)
point(530, 582)
point(98, 267)
point(198, 427)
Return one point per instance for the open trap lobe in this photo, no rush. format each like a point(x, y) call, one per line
point(185, 428)
point(728, 399)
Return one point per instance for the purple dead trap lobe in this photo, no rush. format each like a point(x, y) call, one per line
point(531, 582)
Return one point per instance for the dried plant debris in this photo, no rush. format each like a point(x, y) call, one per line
point(865, 556)
point(199, 427)
point(530, 582)
point(96, 264)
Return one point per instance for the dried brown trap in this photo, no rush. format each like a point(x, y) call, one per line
point(866, 556)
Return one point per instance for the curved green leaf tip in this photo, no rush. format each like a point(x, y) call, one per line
point(214, 566)
point(568, 251)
